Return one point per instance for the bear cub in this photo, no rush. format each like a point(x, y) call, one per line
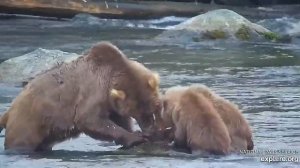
point(203, 121)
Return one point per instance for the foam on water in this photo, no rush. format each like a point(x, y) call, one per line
point(284, 25)
point(86, 20)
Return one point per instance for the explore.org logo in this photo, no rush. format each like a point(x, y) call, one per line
point(276, 155)
point(279, 159)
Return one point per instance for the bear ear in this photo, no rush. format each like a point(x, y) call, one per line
point(106, 53)
point(117, 94)
point(154, 81)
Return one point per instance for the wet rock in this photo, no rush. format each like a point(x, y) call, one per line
point(217, 24)
point(23, 68)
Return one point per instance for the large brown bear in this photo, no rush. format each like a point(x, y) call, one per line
point(196, 124)
point(239, 129)
point(97, 94)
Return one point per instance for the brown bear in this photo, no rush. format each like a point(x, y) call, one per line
point(97, 94)
point(196, 124)
point(239, 129)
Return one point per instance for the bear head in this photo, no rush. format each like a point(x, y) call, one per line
point(133, 90)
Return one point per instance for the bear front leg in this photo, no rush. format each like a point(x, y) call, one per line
point(93, 119)
point(105, 129)
point(122, 121)
point(180, 139)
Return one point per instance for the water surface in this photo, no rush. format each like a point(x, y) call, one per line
point(262, 78)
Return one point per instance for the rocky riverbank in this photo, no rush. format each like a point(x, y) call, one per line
point(133, 9)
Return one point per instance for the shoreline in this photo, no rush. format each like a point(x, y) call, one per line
point(137, 9)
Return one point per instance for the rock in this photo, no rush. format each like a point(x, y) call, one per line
point(217, 24)
point(23, 68)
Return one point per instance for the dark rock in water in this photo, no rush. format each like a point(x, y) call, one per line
point(23, 68)
point(217, 24)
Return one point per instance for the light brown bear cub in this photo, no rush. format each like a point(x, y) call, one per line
point(203, 120)
point(196, 123)
point(238, 127)
point(97, 94)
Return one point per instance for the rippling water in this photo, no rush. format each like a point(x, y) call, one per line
point(263, 79)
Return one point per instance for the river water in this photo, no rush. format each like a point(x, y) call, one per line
point(262, 78)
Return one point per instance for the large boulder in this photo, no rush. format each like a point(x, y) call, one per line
point(217, 24)
point(23, 68)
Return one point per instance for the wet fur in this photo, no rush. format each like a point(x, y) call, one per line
point(196, 123)
point(74, 98)
point(238, 127)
